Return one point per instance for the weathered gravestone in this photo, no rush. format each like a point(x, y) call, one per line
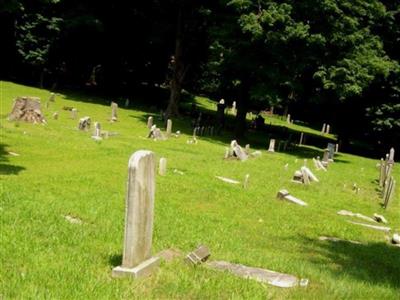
point(391, 156)
point(27, 109)
point(74, 112)
point(155, 133)
point(271, 145)
point(97, 131)
point(238, 151)
point(331, 151)
point(323, 128)
point(169, 127)
point(389, 191)
point(114, 108)
point(285, 195)
point(137, 260)
point(149, 122)
point(84, 123)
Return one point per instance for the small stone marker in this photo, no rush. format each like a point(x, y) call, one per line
point(325, 158)
point(284, 195)
point(127, 102)
point(97, 131)
point(238, 151)
point(391, 156)
point(331, 151)
point(228, 180)
point(258, 274)
point(382, 172)
point(271, 145)
point(337, 148)
point(247, 149)
point(52, 97)
point(137, 260)
point(246, 181)
point(323, 128)
point(198, 256)
point(114, 108)
point(169, 127)
point(162, 169)
point(13, 153)
point(155, 133)
point(149, 122)
point(288, 119)
point(381, 228)
point(55, 116)
point(84, 123)
point(306, 179)
point(74, 113)
point(328, 129)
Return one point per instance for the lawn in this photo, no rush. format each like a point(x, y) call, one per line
point(61, 171)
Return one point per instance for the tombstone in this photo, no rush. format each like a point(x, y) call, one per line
point(155, 133)
point(198, 256)
point(337, 148)
point(331, 151)
point(233, 110)
point(84, 123)
point(202, 130)
point(323, 128)
point(325, 158)
point(238, 151)
point(271, 145)
point(74, 113)
point(246, 181)
point(285, 195)
point(301, 138)
point(328, 129)
point(288, 119)
point(52, 97)
point(310, 174)
point(227, 153)
point(391, 156)
point(390, 192)
point(169, 127)
point(97, 131)
point(162, 169)
point(221, 113)
point(297, 177)
point(137, 260)
point(382, 173)
point(55, 116)
point(149, 122)
point(114, 108)
point(127, 102)
point(27, 109)
point(247, 149)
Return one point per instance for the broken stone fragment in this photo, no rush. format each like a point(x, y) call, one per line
point(380, 219)
point(284, 195)
point(396, 239)
point(198, 256)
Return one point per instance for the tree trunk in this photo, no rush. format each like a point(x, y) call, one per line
point(178, 72)
point(242, 105)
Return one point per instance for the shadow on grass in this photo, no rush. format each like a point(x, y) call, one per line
point(115, 260)
point(374, 263)
point(5, 168)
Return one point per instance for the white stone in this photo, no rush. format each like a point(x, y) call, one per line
point(137, 260)
point(381, 228)
point(169, 127)
point(271, 145)
point(114, 108)
point(310, 174)
point(246, 181)
point(149, 122)
point(228, 180)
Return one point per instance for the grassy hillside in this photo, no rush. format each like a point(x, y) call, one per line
point(61, 171)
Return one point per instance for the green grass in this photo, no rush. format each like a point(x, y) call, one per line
point(61, 171)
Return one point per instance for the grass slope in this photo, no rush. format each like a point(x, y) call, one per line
point(61, 171)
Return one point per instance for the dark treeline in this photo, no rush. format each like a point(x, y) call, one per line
point(323, 61)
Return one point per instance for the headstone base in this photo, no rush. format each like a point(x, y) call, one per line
point(142, 270)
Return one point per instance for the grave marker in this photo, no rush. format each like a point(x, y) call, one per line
point(162, 169)
point(169, 127)
point(149, 122)
point(271, 145)
point(137, 260)
point(114, 108)
point(84, 123)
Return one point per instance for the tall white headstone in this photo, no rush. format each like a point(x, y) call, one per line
point(137, 260)
point(169, 127)
point(149, 122)
point(323, 128)
point(391, 156)
point(328, 129)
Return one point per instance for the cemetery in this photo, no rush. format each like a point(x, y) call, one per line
point(95, 206)
point(231, 149)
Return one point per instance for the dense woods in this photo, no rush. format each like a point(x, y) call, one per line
point(334, 61)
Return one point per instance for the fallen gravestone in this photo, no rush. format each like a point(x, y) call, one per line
point(333, 239)
point(351, 214)
point(285, 195)
point(380, 219)
point(27, 109)
point(137, 260)
point(228, 180)
point(381, 228)
point(258, 274)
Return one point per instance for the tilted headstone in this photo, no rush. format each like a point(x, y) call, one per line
point(149, 122)
point(155, 133)
point(84, 123)
point(162, 168)
point(325, 158)
point(388, 195)
point(114, 108)
point(271, 145)
point(137, 260)
point(238, 151)
point(169, 127)
point(323, 128)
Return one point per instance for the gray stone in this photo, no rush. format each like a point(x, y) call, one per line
point(284, 195)
point(198, 256)
point(84, 123)
point(271, 145)
point(391, 156)
point(169, 127)
point(258, 274)
point(114, 108)
point(331, 150)
point(137, 260)
point(228, 180)
point(310, 174)
point(323, 128)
